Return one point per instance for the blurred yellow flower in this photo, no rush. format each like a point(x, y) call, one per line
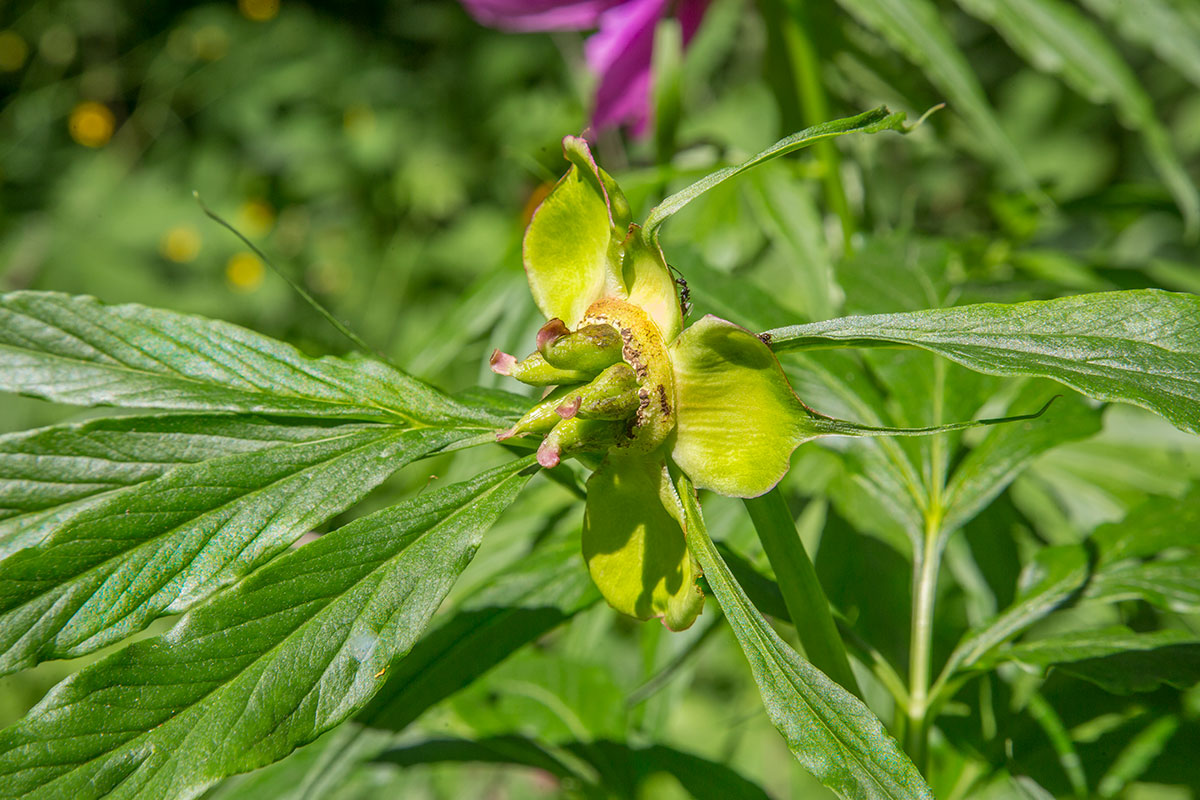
point(13, 51)
point(180, 244)
point(91, 124)
point(256, 217)
point(244, 272)
point(258, 10)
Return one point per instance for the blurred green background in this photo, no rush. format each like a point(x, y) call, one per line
point(388, 155)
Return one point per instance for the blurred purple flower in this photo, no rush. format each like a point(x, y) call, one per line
point(620, 53)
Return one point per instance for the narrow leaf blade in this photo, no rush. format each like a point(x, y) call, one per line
point(80, 351)
point(831, 733)
point(873, 121)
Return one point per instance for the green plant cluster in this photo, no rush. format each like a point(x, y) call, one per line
point(282, 569)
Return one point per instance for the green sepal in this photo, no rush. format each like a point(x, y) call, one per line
point(738, 419)
point(651, 285)
point(633, 541)
point(572, 246)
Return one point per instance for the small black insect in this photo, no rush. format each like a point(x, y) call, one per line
point(685, 294)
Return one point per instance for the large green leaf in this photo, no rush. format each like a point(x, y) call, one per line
point(831, 733)
point(520, 604)
point(78, 350)
point(1116, 659)
point(1056, 37)
point(1139, 346)
point(535, 596)
point(262, 669)
point(159, 547)
point(50, 474)
point(917, 29)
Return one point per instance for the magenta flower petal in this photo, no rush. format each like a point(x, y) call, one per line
point(539, 15)
point(620, 55)
point(690, 12)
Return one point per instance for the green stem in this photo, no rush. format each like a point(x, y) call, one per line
point(802, 594)
point(926, 562)
point(925, 574)
point(790, 18)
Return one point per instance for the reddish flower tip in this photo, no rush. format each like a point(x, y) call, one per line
point(548, 455)
point(551, 331)
point(569, 408)
point(502, 363)
point(507, 433)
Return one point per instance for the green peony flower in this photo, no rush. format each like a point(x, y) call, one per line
point(631, 383)
point(635, 385)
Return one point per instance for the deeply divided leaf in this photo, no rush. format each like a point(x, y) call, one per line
point(264, 667)
point(101, 566)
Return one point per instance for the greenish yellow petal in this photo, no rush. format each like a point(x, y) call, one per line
point(633, 541)
point(652, 286)
point(738, 419)
point(572, 245)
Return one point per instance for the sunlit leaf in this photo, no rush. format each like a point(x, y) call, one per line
point(50, 474)
point(522, 603)
point(1137, 346)
point(831, 733)
point(80, 351)
point(873, 121)
point(263, 668)
point(163, 545)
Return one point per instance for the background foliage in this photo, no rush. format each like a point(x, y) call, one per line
point(389, 153)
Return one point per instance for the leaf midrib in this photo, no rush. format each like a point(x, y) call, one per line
point(74, 576)
point(283, 640)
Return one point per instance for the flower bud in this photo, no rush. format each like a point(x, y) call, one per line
point(535, 371)
point(589, 349)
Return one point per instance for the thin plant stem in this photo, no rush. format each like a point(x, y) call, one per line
point(802, 594)
point(926, 563)
point(792, 17)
